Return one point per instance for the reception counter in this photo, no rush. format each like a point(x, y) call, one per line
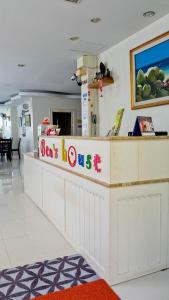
point(109, 197)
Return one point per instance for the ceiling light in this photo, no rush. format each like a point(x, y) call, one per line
point(74, 38)
point(149, 14)
point(95, 20)
point(73, 1)
point(21, 65)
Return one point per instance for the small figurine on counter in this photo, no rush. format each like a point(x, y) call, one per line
point(45, 121)
point(45, 128)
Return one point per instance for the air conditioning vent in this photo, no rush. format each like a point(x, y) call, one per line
point(73, 1)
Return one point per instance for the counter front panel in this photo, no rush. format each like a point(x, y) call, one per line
point(108, 197)
point(110, 162)
point(86, 157)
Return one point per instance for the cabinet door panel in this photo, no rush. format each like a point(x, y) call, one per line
point(53, 198)
point(139, 231)
point(33, 180)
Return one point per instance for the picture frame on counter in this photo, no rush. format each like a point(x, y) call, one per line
point(143, 127)
point(149, 73)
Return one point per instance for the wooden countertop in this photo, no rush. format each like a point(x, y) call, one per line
point(112, 138)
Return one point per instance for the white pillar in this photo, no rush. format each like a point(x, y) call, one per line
point(89, 103)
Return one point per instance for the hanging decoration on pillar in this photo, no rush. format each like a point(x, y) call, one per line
point(100, 76)
point(101, 87)
point(89, 92)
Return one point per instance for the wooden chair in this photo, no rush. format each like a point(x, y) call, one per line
point(17, 149)
point(6, 148)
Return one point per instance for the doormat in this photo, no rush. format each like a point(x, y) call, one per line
point(33, 280)
point(97, 290)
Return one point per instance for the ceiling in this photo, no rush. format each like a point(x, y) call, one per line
point(37, 32)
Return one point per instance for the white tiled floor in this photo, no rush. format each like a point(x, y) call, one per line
point(27, 236)
point(151, 287)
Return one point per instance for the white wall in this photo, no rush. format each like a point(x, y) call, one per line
point(39, 107)
point(14, 126)
point(26, 141)
point(43, 104)
point(118, 95)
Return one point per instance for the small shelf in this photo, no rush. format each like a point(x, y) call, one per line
point(106, 81)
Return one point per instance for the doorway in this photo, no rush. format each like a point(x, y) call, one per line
point(65, 121)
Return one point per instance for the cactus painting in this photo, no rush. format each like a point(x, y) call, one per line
point(150, 73)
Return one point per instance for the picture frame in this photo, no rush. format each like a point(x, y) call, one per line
point(143, 126)
point(28, 120)
point(149, 73)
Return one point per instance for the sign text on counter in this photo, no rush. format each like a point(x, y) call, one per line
point(71, 156)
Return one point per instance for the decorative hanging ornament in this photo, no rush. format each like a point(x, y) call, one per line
point(89, 92)
point(101, 87)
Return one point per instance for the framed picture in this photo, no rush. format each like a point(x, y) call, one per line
point(27, 120)
point(149, 73)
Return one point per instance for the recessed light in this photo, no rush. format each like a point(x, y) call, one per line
point(74, 38)
point(149, 14)
point(95, 20)
point(21, 65)
point(73, 1)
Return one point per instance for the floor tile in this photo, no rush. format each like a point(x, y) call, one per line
point(13, 229)
point(151, 287)
point(25, 231)
point(23, 251)
point(4, 259)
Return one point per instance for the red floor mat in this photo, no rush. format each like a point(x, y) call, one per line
point(97, 290)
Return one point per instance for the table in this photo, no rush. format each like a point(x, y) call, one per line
point(6, 148)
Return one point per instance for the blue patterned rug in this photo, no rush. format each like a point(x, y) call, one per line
point(41, 278)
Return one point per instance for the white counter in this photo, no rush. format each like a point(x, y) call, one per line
point(115, 213)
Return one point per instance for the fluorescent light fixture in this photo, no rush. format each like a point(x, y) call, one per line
point(149, 14)
point(21, 65)
point(73, 1)
point(74, 38)
point(95, 20)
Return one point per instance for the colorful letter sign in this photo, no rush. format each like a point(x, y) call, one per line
point(70, 156)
